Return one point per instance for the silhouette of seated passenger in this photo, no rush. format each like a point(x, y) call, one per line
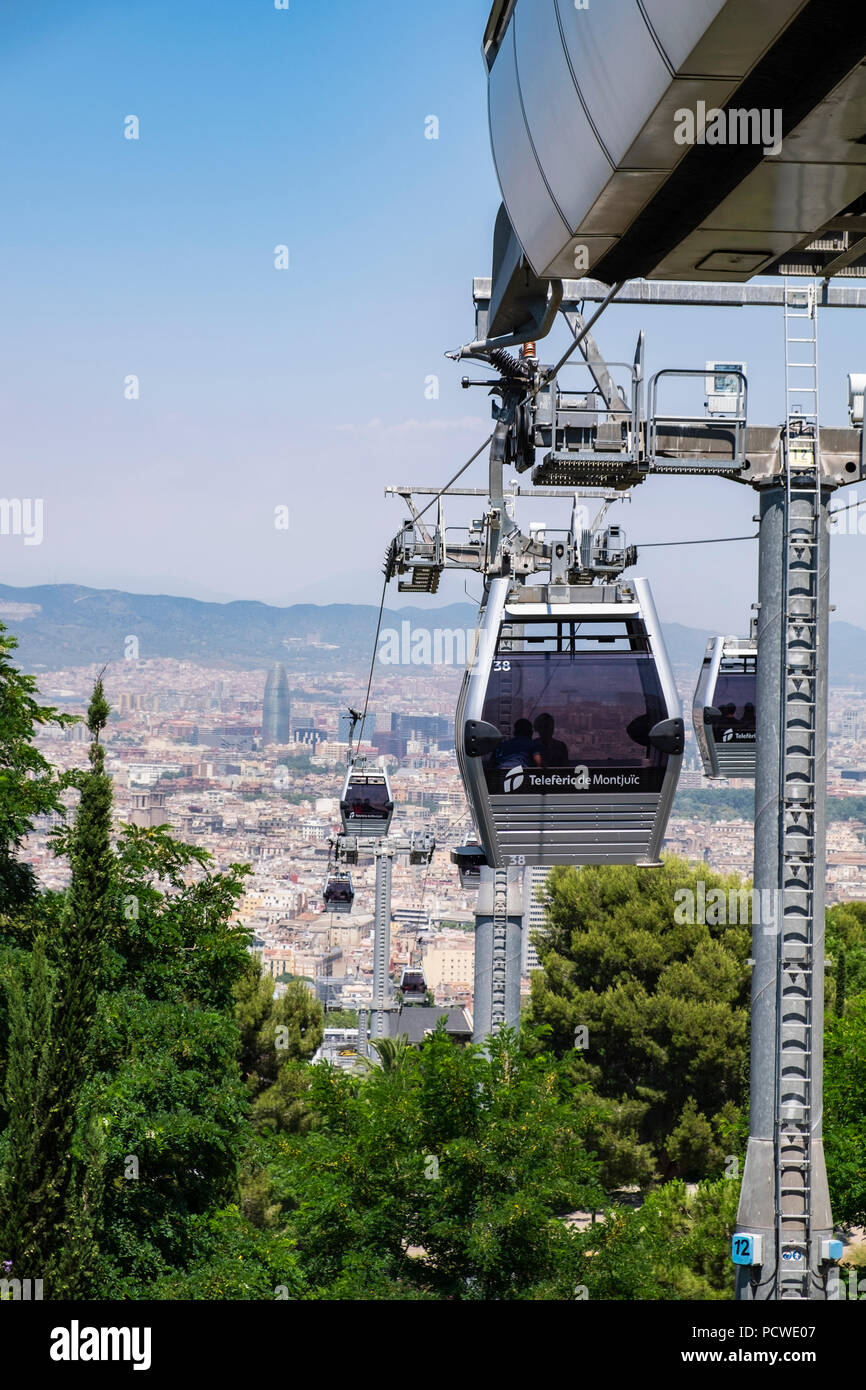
point(639, 729)
point(747, 723)
point(364, 809)
point(517, 750)
point(728, 719)
point(548, 751)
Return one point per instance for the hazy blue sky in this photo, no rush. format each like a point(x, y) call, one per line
point(304, 387)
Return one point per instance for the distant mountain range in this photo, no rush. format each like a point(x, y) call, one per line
point(70, 625)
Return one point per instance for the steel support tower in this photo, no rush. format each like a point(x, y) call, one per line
point(419, 846)
point(784, 1246)
point(784, 1200)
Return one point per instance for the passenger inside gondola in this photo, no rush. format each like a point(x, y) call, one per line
point(734, 698)
point(339, 891)
point(586, 708)
point(639, 729)
point(372, 805)
point(517, 750)
point(547, 751)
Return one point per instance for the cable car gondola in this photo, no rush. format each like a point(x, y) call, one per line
point(569, 729)
point(366, 806)
point(339, 893)
point(470, 860)
point(413, 985)
point(723, 712)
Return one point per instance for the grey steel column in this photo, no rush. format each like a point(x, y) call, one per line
point(514, 948)
point(822, 1217)
point(381, 940)
point(500, 948)
point(786, 1017)
point(498, 945)
point(482, 995)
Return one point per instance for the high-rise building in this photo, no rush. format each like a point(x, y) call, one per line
point(394, 744)
point(851, 723)
point(277, 707)
point(423, 726)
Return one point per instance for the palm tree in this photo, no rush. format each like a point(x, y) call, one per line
point(393, 1054)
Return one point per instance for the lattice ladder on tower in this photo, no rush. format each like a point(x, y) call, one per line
point(383, 855)
point(499, 963)
point(797, 795)
point(498, 1014)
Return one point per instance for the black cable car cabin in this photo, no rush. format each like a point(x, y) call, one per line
point(723, 712)
point(339, 893)
point(569, 729)
point(366, 806)
point(413, 985)
point(470, 859)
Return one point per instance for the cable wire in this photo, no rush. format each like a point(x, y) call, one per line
point(372, 668)
point(458, 474)
point(548, 377)
point(711, 540)
point(722, 540)
point(581, 334)
point(551, 374)
point(433, 499)
point(847, 508)
point(424, 885)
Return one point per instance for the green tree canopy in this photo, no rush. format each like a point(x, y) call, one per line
point(846, 940)
point(664, 1002)
point(445, 1174)
point(278, 1038)
point(29, 786)
point(845, 1112)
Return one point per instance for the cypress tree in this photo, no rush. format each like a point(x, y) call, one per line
point(841, 983)
point(51, 1181)
point(29, 1049)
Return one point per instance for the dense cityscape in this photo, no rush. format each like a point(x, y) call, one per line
point(249, 765)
